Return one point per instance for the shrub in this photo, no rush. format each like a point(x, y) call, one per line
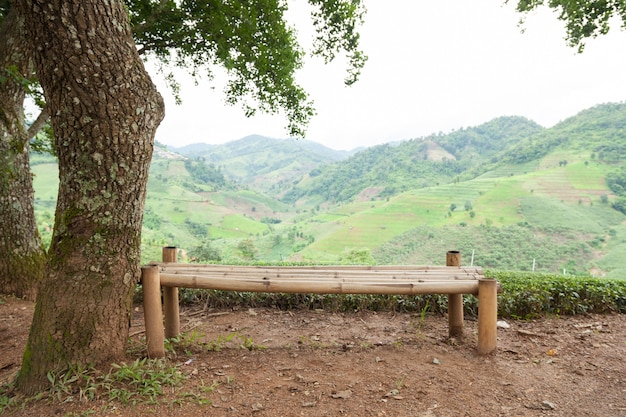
point(523, 296)
point(528, 295)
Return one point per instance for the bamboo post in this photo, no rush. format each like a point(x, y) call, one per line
point(152, 311)
point(170, 298)
point(455, 301)
point(487, 315)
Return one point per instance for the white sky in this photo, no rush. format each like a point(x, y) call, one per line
point(433, 67)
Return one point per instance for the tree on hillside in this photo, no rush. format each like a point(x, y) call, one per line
point(249, 39)
point(105, 111)
point(247, 249)
point(21, 252)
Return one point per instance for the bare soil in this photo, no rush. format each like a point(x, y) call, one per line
point(318, 363)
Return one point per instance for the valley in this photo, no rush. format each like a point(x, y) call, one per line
point(508, 194)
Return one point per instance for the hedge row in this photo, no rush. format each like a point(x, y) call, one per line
point(528, 295)
point(524, 295)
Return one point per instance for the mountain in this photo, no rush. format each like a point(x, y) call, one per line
point(387, 170)
point(508, 194)
point(264, 164)
point(600, 130)
point(541, 201)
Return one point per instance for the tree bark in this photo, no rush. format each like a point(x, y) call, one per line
point(22, 255)
point(104, 112)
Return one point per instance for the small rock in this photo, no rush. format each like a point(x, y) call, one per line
point(309, 404)
point(547, 405)
point(342, 394)
point(257, 407)
point(393, 393)
point(436, 361)
point(501, 324)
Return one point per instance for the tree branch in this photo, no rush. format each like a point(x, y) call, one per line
point(38, 124)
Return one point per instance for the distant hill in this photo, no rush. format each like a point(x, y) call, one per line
point(539, 200)
point(599, 131)
point(387, 170)
point(264, 164)
point(508, 193)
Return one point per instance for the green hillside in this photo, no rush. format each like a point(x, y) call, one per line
point(185, 212)
point(187, 203)
point(507, 222)
point(595, 133)
point(513, 194)
point(388, 170)
point(556, 210)
point(264, 164)
point(46, 183)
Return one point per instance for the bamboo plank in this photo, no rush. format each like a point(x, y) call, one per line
point(457, 273)
point(355, 268)
point(320, 286)
point(335, 278)
point(330, 275)
point(442, 270)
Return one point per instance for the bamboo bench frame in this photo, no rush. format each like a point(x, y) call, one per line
point(451, 279)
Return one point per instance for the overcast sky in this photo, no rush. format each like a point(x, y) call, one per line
point(433, 67)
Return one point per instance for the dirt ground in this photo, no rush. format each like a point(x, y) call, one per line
point(268, 362)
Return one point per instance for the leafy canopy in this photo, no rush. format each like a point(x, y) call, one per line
point(583, 19)
point(252, 41)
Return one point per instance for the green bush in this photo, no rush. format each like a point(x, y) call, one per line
point(524, 295)
point(528, 295)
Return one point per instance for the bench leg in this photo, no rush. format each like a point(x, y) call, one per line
point(455, 315)
point(152, 311)
point(455, 301)
point(170, 297)
point(172, 314)
point(487, 315)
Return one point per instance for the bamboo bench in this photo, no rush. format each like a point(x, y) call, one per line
point(452, 279)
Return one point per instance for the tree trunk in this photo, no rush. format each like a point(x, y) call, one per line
point(104, 112)
point(22, 255)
